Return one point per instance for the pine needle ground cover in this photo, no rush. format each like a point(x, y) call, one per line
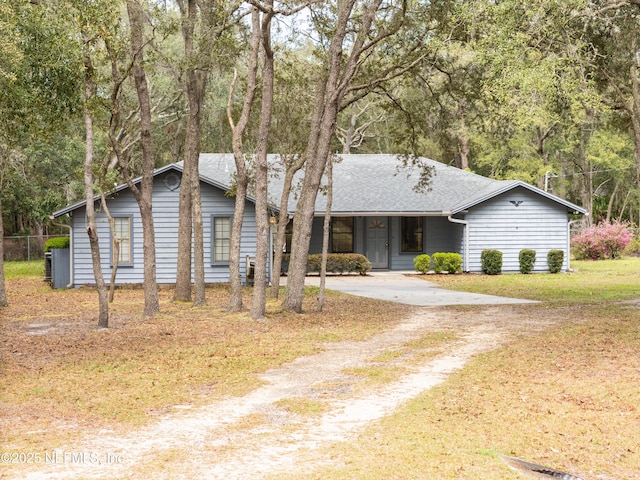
point(565, 396)
point(568, 398)
point(60, 374)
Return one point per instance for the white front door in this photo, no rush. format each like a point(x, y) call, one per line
point(377, 249)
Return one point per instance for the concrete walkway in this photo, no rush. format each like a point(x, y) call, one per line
point(406, 287)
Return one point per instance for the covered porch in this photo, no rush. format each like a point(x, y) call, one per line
point(391, 242)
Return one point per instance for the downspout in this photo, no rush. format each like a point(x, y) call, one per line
point(465, 235)
point(70, 248)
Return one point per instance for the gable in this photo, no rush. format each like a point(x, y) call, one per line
point(514, 187)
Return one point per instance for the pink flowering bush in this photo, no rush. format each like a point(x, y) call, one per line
point(602, 241)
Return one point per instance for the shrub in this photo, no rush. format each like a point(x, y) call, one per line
point(602, 241)
point(57, 242)
point(422, 263)
point(555, 258)
point(527, 259)
point(491, 261)
point(633, 248)
point(340, 263)
point(447, 262)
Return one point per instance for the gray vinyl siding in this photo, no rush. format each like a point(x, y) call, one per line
point(441, 235)
point(537, 223)
point(165, 216)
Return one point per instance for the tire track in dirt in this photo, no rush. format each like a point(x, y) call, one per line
point(230, 439)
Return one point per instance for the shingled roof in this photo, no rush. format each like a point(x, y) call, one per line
point(371, 184)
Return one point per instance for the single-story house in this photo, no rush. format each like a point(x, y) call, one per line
point(376, 211)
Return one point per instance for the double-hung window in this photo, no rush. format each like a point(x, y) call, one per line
point(221, 239)
point(412, 234)
point(123, 239)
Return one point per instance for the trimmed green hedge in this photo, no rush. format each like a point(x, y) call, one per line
point(449, 262)
point(491, 261)
point(57, 242)
point(555, 259)
point(527, 259)
point(336, 263)
point(422, 263)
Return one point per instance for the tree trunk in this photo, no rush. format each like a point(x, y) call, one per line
point(634, 113)
point(185, 223)
point(191, 207)
point(463, 146)
point(612, 198)
point(182, 292)
point(259, 299)
point(283, 220)
point(325, 233)
point(464, 150)
point(323, 122)
point(235, 298)
point(348, 135)
point(199, 297)
point(3, 290)
point(144, 197)
point(242, 177)
point(586, 179)
point(115, 245)
point(103, 301)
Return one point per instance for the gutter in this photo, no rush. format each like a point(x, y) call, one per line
point(52, 218)
point(465, 234)
point(377, 213)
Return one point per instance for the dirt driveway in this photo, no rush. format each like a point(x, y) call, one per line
point(255, 436)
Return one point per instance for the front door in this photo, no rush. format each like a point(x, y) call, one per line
point(378, 242)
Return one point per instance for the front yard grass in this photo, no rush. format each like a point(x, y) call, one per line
point(590, 282)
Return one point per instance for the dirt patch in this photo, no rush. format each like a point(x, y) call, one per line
point(254, 435)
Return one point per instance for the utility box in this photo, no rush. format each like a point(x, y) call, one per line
point(60, 268)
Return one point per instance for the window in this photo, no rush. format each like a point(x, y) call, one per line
point(412, 232)
point(342, 235)
point(221, 247)
point(122, 230)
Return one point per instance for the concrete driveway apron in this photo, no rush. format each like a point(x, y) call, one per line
point(408, 289)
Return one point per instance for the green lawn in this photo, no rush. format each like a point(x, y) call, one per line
point(24, 269)
point(590, 282)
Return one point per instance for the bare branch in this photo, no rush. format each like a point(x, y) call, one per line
point(287, 12)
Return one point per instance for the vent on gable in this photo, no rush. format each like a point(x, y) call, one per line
point(172, 181)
